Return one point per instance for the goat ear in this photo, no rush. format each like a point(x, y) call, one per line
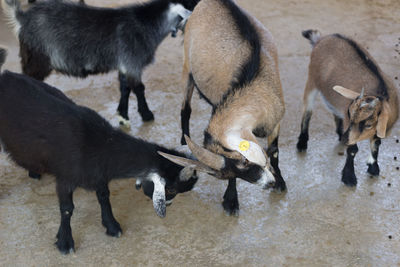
point(189, 164)
point(159, 196)
point(347, 93)
point(250, 150)
point(383, 120)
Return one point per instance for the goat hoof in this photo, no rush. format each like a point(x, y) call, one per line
point(147, 116)
point(117, 234)
point(231, 208)
point(301, 146)
point(183, 141)
point(373, 169)
point(65, 246)
point(349, 179)
point(280, 187)
point(113, 229)
point(34, 175)
point(123, 122)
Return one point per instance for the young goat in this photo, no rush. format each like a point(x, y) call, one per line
point(45, 132)
point(368, 110)
point(231, 59)
point(79, 40)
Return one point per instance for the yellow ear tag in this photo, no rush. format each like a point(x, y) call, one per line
point(244, 145)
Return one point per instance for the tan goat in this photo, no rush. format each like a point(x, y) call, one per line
point(367, 110)
point(231, 59)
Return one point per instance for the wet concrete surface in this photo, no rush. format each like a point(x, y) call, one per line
point(318, 222)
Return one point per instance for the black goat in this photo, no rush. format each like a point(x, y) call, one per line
point(45, 132)
point(79, 40)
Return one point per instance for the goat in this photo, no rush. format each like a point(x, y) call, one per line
point(77, 40)
point(45, 132)
point(231, 58)
point(367, 111)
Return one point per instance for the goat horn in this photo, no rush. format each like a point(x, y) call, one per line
point(362, 93)
point(207, 157)
point(184, 162)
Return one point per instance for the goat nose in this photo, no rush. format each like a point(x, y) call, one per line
point(267, 180)
point(270, 184)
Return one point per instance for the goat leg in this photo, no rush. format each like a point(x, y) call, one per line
point(373, 167)
point(138, 88)
point(107, 217)
point(65, 242)
point(231, 202)
point(273, 154)
point(348, 176)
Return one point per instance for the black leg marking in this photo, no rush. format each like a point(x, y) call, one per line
point(107, 217)
point(231, 202)
point(373, 167)
point(34, 175)
point(123, 101)
point(348, 176)
point(339, 127)
point(303, 137)
point(65, 242)
point(186, 109)
point(185, 117)
point(138, 88)
point(273, 154)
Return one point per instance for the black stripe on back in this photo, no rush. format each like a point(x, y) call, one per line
point(382, 89)
point(250, 69)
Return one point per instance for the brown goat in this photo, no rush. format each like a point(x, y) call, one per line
point(231, 59)
point(367, 110)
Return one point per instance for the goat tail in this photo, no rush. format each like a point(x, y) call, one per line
point(312, 35)
point(11, 9)
point(3, 56)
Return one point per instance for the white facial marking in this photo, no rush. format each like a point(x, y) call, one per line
point(168, 202)
point(254, 153)
point(138, 182)
point(158, 194)
point(266, 179)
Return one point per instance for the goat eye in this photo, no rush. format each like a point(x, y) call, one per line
point(368, 126)
point(244, 163)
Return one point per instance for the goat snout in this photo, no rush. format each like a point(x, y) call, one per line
point(267, 180)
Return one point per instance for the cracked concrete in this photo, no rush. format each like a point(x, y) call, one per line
point(318, 222)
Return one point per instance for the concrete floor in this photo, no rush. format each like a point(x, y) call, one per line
point(318, 222)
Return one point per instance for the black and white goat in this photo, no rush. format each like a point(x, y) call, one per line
point(367, 111)
point(45, 132)
point(231, 58)
point(79, 40)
